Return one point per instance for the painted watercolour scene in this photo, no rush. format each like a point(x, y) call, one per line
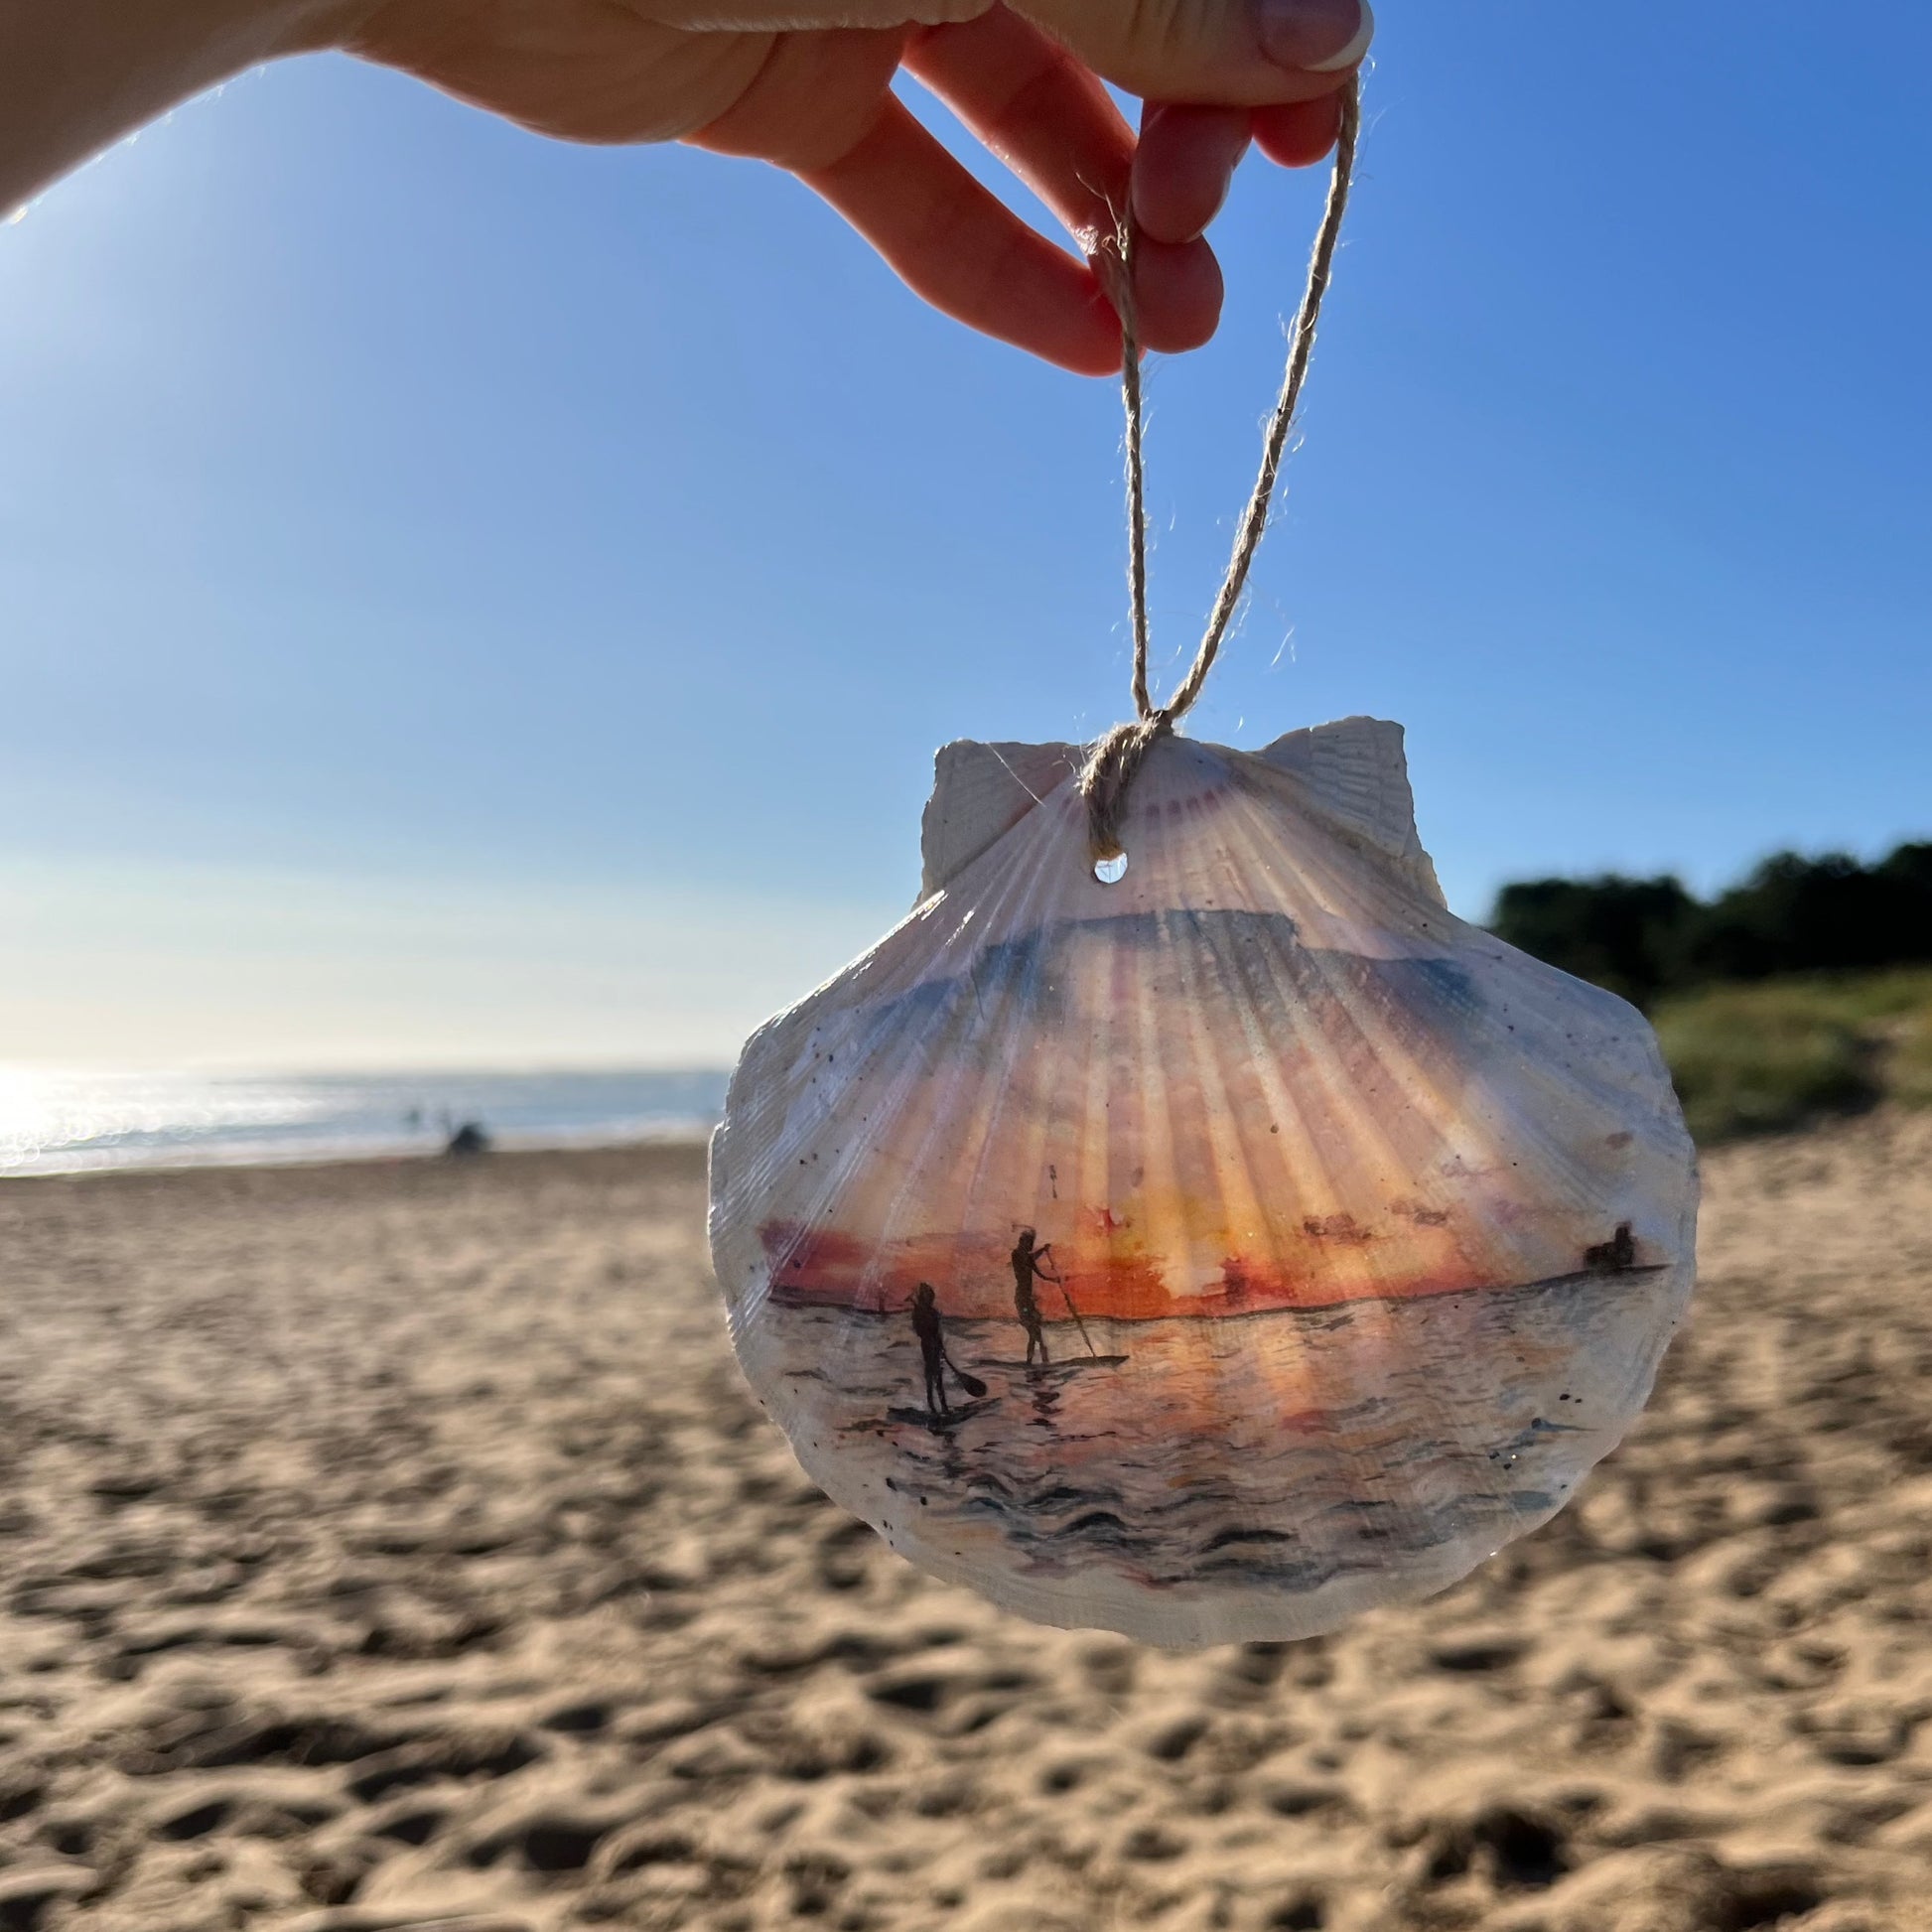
point(1217, 1253)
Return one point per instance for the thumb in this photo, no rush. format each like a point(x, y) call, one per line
point(1229, 53)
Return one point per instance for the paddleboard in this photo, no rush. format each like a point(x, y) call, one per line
point(926, 1419)
point(1073, 1365)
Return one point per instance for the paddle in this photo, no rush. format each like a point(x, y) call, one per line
point(973, 1385)
point(1075, 1313)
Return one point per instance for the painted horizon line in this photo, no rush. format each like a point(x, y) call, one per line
point(1216, 1307)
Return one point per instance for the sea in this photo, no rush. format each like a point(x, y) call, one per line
point(54, 1121)
point(1202, 1481)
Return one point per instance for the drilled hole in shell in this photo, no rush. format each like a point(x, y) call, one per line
point(1110, 872)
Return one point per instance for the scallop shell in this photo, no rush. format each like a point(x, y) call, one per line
point(1307, 1243)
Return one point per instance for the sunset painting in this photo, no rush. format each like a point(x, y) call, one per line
point(1143, 1263)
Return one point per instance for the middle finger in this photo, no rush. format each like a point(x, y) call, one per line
point(1186, 165)
point(1053, 123)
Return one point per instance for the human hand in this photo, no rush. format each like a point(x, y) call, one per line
point(807, 86)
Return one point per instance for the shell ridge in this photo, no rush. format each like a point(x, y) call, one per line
point(1223, 1368)
point(860, 1036)
point(1612, 1084)
point(1016, 893)
point(1425, 1478)
point(1261, 1031)
point(1317, 974)
point(980, 792)
point(770, 1069)
point(1037, 962)
point(763, 1079)
point(965, 952)
point(1331, 977)
point(1544, 1059)
point(1406, 1067)
point(1161, 1232)
point(853, 1322)
point(1026, 888)
point(1362, 888)
point(1558, 1160)
point(1234, 1171)
point(1358, 769)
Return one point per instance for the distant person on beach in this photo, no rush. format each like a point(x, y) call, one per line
point(1026, 1269)
point(1615, 1256)
point(806, 84)
point(931, 1333)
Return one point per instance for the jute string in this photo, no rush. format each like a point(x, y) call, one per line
point(1114, 761)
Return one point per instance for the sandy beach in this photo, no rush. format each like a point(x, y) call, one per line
point(395, 1543)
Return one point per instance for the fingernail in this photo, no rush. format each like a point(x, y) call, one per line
point(1317, 36)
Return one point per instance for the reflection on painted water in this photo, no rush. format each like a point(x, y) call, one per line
point(1292, 1451)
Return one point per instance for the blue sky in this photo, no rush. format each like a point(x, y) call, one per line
point(467, 599)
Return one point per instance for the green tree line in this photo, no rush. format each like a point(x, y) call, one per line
point(1647, 938)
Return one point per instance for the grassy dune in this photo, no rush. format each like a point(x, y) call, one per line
point(1756, 1058)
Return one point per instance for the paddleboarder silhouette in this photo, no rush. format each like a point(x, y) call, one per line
point(932, 1347)
point(929, 1327)
point(1027, 1259)
point(1615, 1256)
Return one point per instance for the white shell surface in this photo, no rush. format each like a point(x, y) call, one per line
point(1357, 1236)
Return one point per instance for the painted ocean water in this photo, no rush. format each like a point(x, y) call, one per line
point(1330, 1454)
point(60, 1121)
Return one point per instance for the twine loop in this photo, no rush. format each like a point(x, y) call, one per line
point(1108, 770)
point(1115, 759)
